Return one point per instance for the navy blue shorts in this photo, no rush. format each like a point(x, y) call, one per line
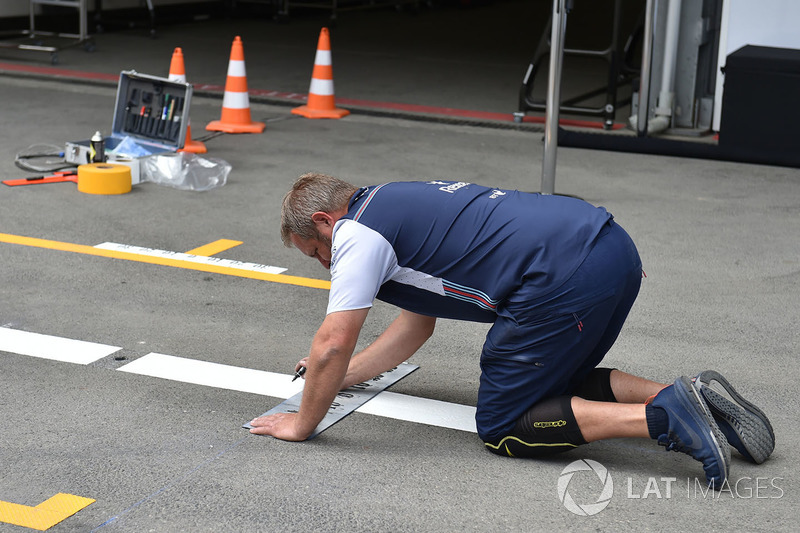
point(544, 346)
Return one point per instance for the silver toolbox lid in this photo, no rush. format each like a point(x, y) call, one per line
point(152, 111)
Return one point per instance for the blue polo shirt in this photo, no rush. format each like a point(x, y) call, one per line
point(456, 250)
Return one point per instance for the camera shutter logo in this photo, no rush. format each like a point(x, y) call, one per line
point(587, 509)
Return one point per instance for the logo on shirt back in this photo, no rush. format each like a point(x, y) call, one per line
point(449, 187)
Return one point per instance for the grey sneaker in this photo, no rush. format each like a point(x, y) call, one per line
point(745, 426)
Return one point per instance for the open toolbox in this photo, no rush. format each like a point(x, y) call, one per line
point(150, 117)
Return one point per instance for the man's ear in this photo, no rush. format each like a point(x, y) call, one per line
point(322, 219)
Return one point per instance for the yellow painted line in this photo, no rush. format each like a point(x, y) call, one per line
point(164, 261)
point(45, 515)
point(213, 248)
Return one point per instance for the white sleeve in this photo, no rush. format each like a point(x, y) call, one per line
point(361, 261)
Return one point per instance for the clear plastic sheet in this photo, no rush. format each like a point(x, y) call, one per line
point(185, 171)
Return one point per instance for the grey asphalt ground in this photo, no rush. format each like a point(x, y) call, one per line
point(720, 247)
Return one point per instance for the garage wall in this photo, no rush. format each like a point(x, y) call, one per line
point(19, 8)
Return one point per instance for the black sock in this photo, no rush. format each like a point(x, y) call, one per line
point(657, 421)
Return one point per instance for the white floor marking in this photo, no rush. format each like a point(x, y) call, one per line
point(180, 256)
point(55, 348)
point(217, 375)
point(422, 411)
point(386, 404)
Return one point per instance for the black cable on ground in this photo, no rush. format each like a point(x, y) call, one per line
point(42, 158)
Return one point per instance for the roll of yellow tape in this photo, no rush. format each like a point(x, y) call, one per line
point(104, 178)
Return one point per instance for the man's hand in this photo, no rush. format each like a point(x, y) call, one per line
point(280, 425)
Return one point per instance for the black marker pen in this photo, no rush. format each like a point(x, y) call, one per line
point(299, 373)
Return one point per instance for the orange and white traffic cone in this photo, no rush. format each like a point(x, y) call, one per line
point(236, 103)
point(177, 72)
point(320, 94)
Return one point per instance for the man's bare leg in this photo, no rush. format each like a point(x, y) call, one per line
point(633, 389)
point(609, 420)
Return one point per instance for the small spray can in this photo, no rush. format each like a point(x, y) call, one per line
point(97, 150)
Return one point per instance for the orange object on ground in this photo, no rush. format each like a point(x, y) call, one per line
point(320, 94)
point(104, 178)
point(56, 177)
point(236, 103)
point(177, 72)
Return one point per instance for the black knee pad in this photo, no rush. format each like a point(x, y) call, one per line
point(596, 386)
point(547, 428)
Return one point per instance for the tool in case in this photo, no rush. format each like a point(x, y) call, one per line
point(150, 117)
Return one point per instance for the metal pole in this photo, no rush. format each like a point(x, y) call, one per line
point(558, 30)
point(647, 55)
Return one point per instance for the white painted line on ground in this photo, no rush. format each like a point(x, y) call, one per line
point(387, 404)
point(180, 256)
point(55, 348)
point(159, 365)
point(421, 410)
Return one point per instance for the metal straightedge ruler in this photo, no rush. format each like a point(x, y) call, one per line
point(347, 400)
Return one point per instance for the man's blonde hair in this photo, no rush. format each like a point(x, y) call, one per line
point(311, 192)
